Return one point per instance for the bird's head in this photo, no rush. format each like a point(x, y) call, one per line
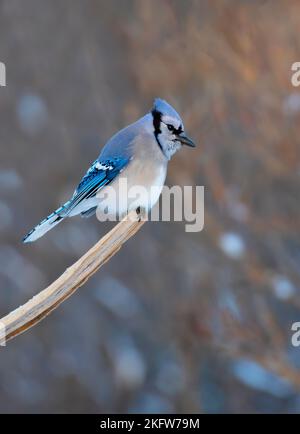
point(168, 128)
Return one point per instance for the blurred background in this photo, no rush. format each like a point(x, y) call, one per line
point(176, 321)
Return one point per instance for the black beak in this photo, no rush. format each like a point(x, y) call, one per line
point(185, 140)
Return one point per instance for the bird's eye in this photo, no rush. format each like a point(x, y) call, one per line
point(170, 127)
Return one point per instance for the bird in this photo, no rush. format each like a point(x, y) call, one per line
point(140, 154)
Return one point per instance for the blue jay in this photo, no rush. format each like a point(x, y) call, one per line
point(139, 153)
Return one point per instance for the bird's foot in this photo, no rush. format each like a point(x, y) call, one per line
point(141, 213)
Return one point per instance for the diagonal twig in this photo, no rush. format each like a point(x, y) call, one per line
point(37, 308)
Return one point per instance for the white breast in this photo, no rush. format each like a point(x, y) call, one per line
point(153, 190)
point(139, 185)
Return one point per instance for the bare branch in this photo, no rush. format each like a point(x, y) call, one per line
point(26, 316)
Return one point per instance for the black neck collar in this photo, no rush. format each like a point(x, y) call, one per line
point(156, 125)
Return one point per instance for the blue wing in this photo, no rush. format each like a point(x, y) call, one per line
point(101, 173)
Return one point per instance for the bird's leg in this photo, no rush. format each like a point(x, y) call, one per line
point(138, 213)
point(141, 213)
